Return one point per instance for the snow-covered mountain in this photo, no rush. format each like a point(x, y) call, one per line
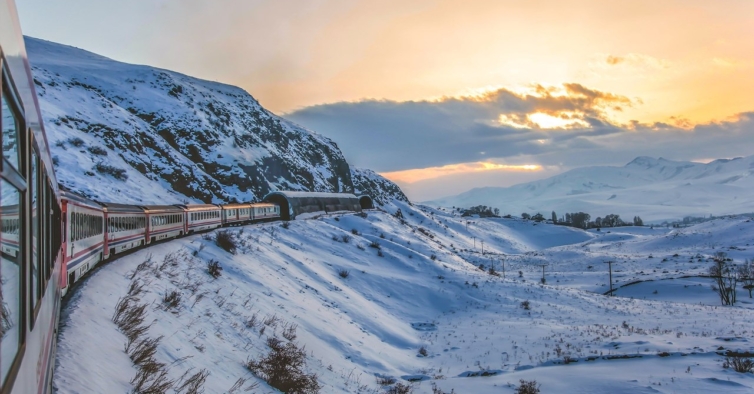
point(655, 189)
point(383, 191)
point(116, 128)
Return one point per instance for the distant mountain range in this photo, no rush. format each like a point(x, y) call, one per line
point(139, 134)
point(654, 189)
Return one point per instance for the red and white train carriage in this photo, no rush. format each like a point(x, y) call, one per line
point(163, 222)
point(202, 217)
point(126, 227)
point(83, 238)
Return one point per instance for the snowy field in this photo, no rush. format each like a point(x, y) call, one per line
point(415, 284)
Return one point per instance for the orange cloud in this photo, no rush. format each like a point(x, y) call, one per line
point(420, 174)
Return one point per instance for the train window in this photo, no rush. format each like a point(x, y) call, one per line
point(10, 285)
point(35, 275)
point(10, 131)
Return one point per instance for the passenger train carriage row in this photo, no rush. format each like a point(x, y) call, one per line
point(98, 231)
point(49, 238)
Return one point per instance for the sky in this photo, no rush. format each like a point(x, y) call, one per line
point(443, 96)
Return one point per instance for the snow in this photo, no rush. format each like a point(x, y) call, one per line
point(425, 291)
point(654, 189)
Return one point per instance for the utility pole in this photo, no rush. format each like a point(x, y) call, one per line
point(543, 272)
point(502, 261)
point(482, 246)
point(610, 265)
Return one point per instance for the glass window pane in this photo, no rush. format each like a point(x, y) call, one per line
point(34, 285)
point(10, 133)
point(10, 278)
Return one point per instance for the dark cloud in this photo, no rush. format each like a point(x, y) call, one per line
point(391, 136)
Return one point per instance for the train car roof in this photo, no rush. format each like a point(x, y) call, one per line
point(199, 207)
point(161, 208)
point(66, 195)
point(263, 204)
point(235, 205)
point(296, 194)
point(114, 207)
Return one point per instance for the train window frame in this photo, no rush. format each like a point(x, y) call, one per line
point(13, 176)
point(35, 282)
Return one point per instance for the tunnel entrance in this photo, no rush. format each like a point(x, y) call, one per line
point(285, 207)
point(366, 202)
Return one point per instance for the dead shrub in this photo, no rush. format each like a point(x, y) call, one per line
point(253, 322)
point(399, 388)
point(739, 363)
point(385, 380)
point(526, 305)
point(152, 378)
point(423, 351)
point(283, 368)
point(214, 268)
point(171, 300)
point(194, 384)
point(224, 239)
point(142, 352)
point(289, 331)
point(271, 321)
point(528, 387)
point(343, 273)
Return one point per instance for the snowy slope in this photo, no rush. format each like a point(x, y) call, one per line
point(381, 190)
point(655, 189)
point(115, 128)
point(426, 290)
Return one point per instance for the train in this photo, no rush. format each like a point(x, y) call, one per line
point(97, 231)
point(50, 238)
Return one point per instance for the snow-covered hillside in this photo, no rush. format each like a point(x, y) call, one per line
point(655, 189)
point(412, 284)
point(383, 191)
point(115, 128)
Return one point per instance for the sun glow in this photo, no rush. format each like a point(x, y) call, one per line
point(420, 174)
point(546, 121)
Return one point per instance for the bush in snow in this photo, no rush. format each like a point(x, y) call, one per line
point(213, 268)
point(283, 368)
point(115, 172)
point(525, 305)
point(739, 363)
point(76, 141)
point(528, 387)
point(194, 384)
point(285, 224)
point(346, 238)
point(423, 351)
point(399, 388)
point(344, 273)
point(171, 300)
point(97, 150)
point(354, 231)
point(375, 245)
point(224, 239)
point(385, 380)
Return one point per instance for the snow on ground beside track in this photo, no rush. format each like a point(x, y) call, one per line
point(424, 291)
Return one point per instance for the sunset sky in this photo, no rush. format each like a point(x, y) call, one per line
point(443, 96)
